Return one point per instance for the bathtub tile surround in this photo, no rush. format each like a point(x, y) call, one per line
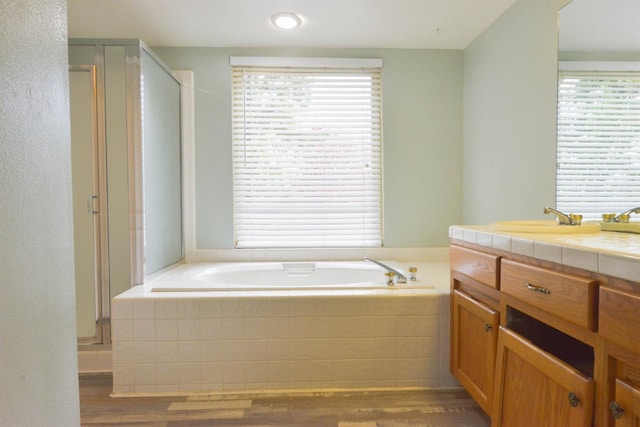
point(167, 342)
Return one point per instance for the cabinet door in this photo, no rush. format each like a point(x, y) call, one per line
point(626, 409)
point(619, 318)
point(474, 339)
point(534, 388)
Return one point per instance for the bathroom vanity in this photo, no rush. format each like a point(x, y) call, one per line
point(545, 328)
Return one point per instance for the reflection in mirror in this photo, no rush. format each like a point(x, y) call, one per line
point(598, 151)
point(608, 27)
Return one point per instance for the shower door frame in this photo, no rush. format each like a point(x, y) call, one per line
point(101, 225)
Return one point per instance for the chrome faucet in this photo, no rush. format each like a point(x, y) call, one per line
point(624, 216)
point(564, 219)
point(400, 278)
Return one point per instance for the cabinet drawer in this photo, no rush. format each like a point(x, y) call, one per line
point(477, 265)
point(620, 318)
point(566, 296)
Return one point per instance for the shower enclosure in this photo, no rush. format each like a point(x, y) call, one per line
point(126, 168)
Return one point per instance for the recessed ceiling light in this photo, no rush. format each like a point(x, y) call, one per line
point(286, 20)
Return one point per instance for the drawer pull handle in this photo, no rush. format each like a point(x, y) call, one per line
point(573, 399)
point(537, 288)
point(487, 327)
point(616, 410)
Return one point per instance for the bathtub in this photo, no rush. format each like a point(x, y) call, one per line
point(273, 327)
point(277, 276)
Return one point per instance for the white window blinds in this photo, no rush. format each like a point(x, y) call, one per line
point(307, 157)
point(598, 159)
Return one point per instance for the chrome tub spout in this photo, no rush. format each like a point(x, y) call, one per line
point(400, 278)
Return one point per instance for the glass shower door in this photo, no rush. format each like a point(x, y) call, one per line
point(87, 203)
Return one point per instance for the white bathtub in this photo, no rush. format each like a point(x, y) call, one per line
point(274, 276)
point(220, 327)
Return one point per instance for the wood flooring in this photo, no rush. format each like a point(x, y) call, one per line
point(344, 409)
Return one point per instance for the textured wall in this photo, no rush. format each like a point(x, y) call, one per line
point(38, 361)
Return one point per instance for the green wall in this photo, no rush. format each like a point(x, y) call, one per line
point(510, 101)
point(422, 139)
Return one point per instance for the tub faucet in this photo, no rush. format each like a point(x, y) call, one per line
point(564, 219)
point(400, 278)
point(624, 216)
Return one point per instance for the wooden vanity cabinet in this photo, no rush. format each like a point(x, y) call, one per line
point(562, 344)
point(474, 321)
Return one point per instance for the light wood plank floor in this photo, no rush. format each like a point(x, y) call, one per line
point(348, 409)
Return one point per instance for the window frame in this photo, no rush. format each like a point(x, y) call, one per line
point(248, 230)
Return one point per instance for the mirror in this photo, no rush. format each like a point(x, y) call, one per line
point(600, 30)
point(598, 153)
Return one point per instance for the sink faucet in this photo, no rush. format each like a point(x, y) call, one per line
point(400, 278)
point(564, 219)
point(624, 216)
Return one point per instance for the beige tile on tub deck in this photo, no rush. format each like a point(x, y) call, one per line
point(143, 351)
point(211, 350)
point(408, 347)
point(189, 329)
point(210, 308)
point(144, 309)
point(188, 308)
point(168, 374)
point(408, 326)
point(167, 352)
point(144, 330)
point(122, 329)
point(166, 309)
point(189, 351)
point(122, 308)
point(277, 327)
point(232, 307)
point(233, 329)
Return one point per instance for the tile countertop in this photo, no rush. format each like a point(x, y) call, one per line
point(611, 253)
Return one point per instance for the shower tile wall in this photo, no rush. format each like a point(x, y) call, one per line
point(166, 344)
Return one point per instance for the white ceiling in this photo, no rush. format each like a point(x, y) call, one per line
point(587, 25)
point(427, 24)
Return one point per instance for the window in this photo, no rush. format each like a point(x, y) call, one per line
point(598, 159)
point(307, 153)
